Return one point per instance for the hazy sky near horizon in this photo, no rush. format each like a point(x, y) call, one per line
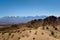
point(29, 7)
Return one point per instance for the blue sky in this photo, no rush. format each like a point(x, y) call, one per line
point(29, 7)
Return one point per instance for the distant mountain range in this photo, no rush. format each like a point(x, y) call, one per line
point(14, 20)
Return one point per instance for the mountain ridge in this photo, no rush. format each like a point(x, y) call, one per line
point(18, 19)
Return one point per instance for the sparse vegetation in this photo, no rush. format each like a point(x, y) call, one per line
point(47, 28)
point(3, 33)
point(18, 30)
point(9, 33)
point(30, 31)
point(36, 33)
point(18, 38)
point(56, 28)
point(22, 35)
point(33, 38)
point(29, 26)
point(43, 27)
point(24, 29)
point(12, 36)
point(52, 33)
point(42, 33)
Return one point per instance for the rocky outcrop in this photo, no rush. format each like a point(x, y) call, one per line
point(51, 20)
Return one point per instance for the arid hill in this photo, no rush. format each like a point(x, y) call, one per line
point(38, 29)
point(49, 21)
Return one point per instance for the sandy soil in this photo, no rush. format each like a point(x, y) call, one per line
point(32, 34)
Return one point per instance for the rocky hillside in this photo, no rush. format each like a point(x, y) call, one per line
point(38, 29)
